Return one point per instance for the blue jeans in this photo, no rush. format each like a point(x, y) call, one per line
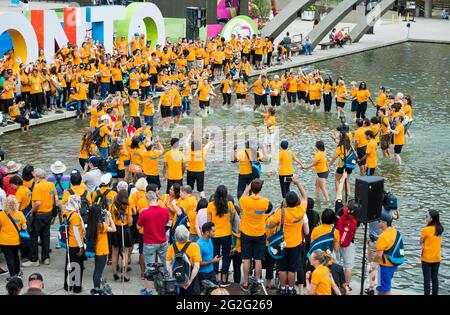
point(222, 247)
point(307, 48)
point(151, 250)
point(104, 90)
point(103, 152)
point(186, 104)
point(73, 105)
point(81, 107)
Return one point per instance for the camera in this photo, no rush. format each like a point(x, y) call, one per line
point(164, 284)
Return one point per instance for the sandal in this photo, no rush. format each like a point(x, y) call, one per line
point(125, 279)
point(116, 277)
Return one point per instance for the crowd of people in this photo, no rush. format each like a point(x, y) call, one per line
point(114, 202)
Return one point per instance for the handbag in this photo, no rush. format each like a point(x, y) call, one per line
point(275, 248)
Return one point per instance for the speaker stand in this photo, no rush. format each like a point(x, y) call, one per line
point(363, 272)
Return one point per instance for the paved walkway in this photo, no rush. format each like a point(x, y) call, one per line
point(6, 6)
point(386, 33)
point(54, 277)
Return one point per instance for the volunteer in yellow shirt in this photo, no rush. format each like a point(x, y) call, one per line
point(227, 89)
point(174, 165)
point(362, 95)
point(150, 162)
point(291, 87)
point(23, 194)
point(315, 94)
point(285, 158)
point(320, 164)
point(320, 281)
point(245, 159)
point(134, 103)
point(371, 153)
point(399, 138)
point(36, 96)
point(276, 87)
point(253, 228)
point(292, 218)
point(382, 99)
point(195, 173)
point(361, 144)
point(261, 89)
point(430, 240)
point(11, 220)
point(341, 97)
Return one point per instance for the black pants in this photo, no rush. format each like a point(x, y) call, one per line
point(91, 90)
point(269, 59)
point(243, 181)
point(136, 122)
point(269, 265)
point(154, 180)
point(100, 263)
point(22, 121)
point(170, 182)
point(40, 228)
point(361, 110)
point(11, 253)
point(63, 97)
point(226, 98)
point(76, 270)
point(25, 97)
point(144, 92)
point(37, 101)
point(327, 100)
point(196, 177)
point(237, 262)
point(285, 186)
point(430, 274)
point(301, 272)
point(193, 289)
point(222, 247)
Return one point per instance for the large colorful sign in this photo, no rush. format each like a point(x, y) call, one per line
point(44, 30)
point(240, 25)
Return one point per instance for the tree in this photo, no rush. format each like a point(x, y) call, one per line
point(260, 9)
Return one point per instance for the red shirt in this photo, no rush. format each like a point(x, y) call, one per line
point(7, 187)
point(154, 219)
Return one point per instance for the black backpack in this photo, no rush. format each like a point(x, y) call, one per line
point(181, 265)
point(85, 205)
point(100, 203)
point(96, 137)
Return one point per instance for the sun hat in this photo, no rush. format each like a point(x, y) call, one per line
point(106, 179)
point(58, 167)
point(353, 83)
point(12, 167)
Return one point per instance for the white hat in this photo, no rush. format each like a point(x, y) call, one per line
point(12, 167)
point(105, 117)
point(276, 77)
point(73, 203)
point(122, 185)
point(58, 167)
point(106, 179)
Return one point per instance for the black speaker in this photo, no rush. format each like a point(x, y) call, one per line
point(369, 196)
point(192, 23)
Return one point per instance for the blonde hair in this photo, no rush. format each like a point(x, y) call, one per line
point(220, 291)
point(11, 204)
point(323, 257)
point(141, 184)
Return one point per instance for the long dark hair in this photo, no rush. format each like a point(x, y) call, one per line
point(221, 200)
point(202, 204)
point(176, 190)
point(344, 142)
point(94, 219)
point(434, 215)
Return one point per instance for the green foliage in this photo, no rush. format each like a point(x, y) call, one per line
point(260, 9)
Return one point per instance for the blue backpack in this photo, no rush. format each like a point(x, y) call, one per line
point(274, 248)
point(179, 220)
point(256, 166)
point(390, 201)
point(351, 159)
point(396, 254)
point(90, 248)
point(112, 167)
point(323, 243)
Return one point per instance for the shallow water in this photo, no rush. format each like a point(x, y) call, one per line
point(421, 183)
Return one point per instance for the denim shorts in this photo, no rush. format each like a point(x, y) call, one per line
point(151, 250)
point(385, 275)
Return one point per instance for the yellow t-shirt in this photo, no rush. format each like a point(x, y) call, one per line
point(79, 191)
point(189, 205)
point(431, 250)
point(362, 95)
point(323, 280)
point(101, 243)
point(371, 151)
point(8, 233)
point(341, 93)
point(323, 229)
point(286, 157)
point(245, 167)
point(360, 137)
point(321, 159)
point(253, 222)
point(385, 241)
point(74, 222)
point(150, 162)
point(192, 251)
point(45, 192)
point(196, 161)
point(175, 160)
point(23, 195)
point(221, 223)
point(399, 139)
point(293, 224)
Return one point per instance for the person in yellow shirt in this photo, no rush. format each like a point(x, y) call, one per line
point(292, 221)
point(12, 220)
point(285, 158)
point(261, 90)
point(17, 117)
point(36, 89)
point(176, 102)
point(371, 153)
point(241, 91)
point(385, 130)
point(320, 164)
point(23, 194)
point(134, 103)
point(204, 91)
point(134, 81)
point(195, 172)
point(399, 138)
point(150, 161)
point(75, 243)
point(382, 99)
point(385, 241)
point(165, 107)
point(174, 165)
point(149, 110)
point(117, 77)
point(258, 47)
point(362, 95)
point(291, 87)
point(253, 228)
point(320, 281)
point(361, 144)
point(251, 153)
point(315, 93)
point(341, 97)
point(82, 97)
point(430, 240)
point(227, 89)
point(408, 111)
point(327, 94)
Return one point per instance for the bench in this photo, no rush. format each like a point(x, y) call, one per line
point(332, 44)
point(296, 45)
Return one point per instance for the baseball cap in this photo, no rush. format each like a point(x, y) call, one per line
point(106, 179)
point(385, 217)
point(35, 276)
point(105, 117)
point(94, 160)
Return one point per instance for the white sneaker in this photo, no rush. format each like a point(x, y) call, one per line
point(46, 261)
point(31, 264)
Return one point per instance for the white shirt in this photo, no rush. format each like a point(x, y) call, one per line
point(2, 198)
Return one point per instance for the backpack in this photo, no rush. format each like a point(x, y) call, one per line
point(85, 205)
point(63, 237)
point(181, 266)
point(96, 138)
point(179, 220)
point(274, 247)
point(323, 243)
point(351, 159)
point(256, 166)
point(396, 254)
point(346, 225)
point(390, 201)
point(112, 167)
point(103, 165)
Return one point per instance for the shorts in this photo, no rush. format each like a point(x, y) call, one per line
point(116, 237)
point(385, 275)
point(291, 260)
point(361, 153)
point(275, 100)
point(253, 247)
point(354, 106)
point(261, 99)
point(176, 111)
point(148, 120)
point(292, 97)
point(340, 170)
point(151, 250)
point(258, 57)
point(398, 149)
point(151, 179)
point(385, 139)
point(340, 104)
point(127, 162)
point(315, 102)
point(301, 95)
point(370, 171)
point(121, 174)
point(153, 78)
point(241, 96)
point(346, 256)
point(204, 104)
point(323, 175)
point(196, 177)
point(166, 111)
